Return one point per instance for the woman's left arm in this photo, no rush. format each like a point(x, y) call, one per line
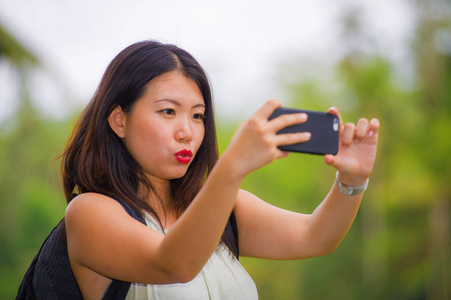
point(266, 231)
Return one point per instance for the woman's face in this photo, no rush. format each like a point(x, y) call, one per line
point(165, 127)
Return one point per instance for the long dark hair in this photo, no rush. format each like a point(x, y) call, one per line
point(96, 159)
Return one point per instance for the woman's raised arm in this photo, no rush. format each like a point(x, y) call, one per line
point(104, 239)
point(266, 231)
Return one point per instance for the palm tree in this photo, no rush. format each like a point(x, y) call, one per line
point(14, 52)
point(21, 60)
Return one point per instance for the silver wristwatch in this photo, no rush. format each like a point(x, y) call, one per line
point(350, 190)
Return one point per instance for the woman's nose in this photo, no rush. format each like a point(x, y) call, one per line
point(183, 133)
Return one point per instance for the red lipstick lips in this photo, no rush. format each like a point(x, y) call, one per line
point(184, 156)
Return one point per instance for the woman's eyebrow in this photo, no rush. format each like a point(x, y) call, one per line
point(199, 105)
point(177, 103)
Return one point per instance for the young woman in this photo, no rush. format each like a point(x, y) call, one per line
point(148, 138)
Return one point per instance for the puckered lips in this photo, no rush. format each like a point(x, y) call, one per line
point(184, 156)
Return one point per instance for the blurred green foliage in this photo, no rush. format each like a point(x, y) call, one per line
point(399, 245)
point(31, 198)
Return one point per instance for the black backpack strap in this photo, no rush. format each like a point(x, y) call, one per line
point(231, 235)
point(117, 290)
point(133, 213)
point(232, 221)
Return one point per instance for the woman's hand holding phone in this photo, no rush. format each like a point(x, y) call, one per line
point(255, 143)
point(357, 150)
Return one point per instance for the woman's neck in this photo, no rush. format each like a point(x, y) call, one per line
point(162, 201)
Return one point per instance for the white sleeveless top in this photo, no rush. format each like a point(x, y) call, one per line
point(222, 277)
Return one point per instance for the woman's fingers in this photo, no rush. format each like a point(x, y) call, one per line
point(374, 127)
point(347, 134)
point(265, 111)
point(335, 111)
point(292, 138)
point(286, 120)
point(358, 132)
point(362, 129)
point(259, 122)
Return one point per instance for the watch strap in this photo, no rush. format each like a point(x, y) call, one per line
point(350, 190)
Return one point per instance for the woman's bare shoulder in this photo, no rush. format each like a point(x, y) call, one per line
point(91, 201)
point(92, 208)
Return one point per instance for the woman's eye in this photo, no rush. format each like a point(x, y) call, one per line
point(168, 111)
point(198, 116)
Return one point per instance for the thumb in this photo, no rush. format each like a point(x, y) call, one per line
point(329, 159)
point(332, 160)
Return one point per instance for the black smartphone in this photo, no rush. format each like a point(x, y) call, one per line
point(323, 127)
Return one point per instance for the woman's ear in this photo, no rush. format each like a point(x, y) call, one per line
point(116, 119)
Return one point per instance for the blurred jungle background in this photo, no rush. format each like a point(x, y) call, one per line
point(399, 245)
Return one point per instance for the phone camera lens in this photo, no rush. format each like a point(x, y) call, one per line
point(335, 126)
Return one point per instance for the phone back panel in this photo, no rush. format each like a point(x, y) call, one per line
point(323, 127)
